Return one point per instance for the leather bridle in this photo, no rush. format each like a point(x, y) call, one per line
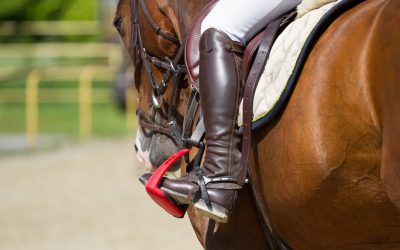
point(174, 73)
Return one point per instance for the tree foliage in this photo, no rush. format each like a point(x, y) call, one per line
point(20, 10)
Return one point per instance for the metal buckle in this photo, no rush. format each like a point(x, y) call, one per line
point(219, 179)
point(171, 65)
point(154, 100)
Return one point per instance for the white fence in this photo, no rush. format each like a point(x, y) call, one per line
point(108, 54)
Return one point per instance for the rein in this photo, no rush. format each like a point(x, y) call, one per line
point(173, 72)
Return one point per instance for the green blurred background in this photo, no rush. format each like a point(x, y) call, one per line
point(49, 10)
point(59, 43)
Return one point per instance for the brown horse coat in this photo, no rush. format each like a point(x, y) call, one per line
point(329, 165)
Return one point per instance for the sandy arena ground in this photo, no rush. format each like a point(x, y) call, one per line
point(83, 197)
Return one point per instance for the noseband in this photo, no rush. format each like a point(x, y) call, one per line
point(172, 70)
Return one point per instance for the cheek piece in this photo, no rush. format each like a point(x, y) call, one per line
point(157, 194)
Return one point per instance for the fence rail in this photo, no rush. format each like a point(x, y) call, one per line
point(85, 96)
point(54, 95)
point(55, 63)
point(58, 73)
point(64, 50)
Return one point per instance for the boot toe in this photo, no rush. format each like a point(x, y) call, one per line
point(180, 190)
point(178, 185)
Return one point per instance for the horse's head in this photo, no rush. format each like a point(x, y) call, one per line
point(149, 31)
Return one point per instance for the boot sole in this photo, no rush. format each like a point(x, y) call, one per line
point(217, 213)
point(180, 198)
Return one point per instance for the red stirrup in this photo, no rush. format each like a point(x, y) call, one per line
point(157, 194)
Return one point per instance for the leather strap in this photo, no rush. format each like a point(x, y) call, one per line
point(134, 24)
point(250, 86)
point(146, 123)
point(203, 189)
point(248, 54)
point(273, 240)
point(197, 135)
point(155, 27)
point(190, 113)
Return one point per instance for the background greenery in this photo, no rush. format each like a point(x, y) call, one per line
point(20, 10)
point(58, 118)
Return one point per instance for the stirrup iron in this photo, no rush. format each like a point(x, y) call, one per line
point(157, 194)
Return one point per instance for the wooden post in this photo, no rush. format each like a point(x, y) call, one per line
point(130, 105)
point(85, 102)
point(32, 112)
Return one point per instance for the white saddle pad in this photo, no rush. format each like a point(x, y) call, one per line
point(281, 62)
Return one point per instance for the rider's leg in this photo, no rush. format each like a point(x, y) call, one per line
point(219, 91)
point(220, 78)
point(242, 20)
point(230, 21)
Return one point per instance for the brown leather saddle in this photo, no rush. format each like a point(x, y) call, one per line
point(192, 53)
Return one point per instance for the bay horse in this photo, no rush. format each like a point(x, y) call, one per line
point(328, 168)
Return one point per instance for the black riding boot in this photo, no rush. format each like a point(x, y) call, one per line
point(215, 194)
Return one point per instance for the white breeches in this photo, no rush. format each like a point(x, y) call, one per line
point(243, 19)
